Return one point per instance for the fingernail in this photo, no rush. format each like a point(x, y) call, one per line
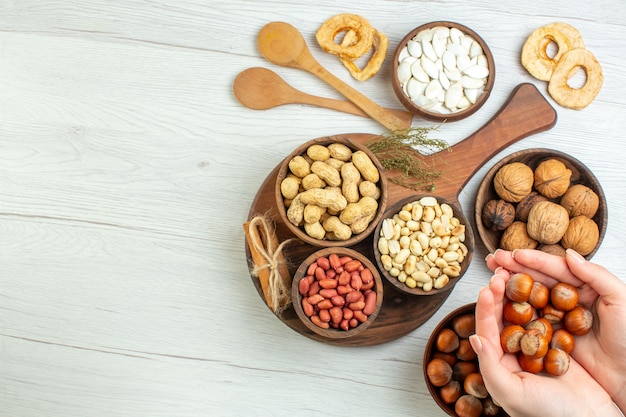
point(489, 255)
point(575, 255)
point(476, 344)
point(513, 253)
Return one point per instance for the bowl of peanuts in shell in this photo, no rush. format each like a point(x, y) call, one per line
point(423, 245)
point(442, 71)
point(331, 192)
point(451, 370)
point(337, 292)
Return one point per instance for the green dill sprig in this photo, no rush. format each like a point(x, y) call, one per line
point(399, 151)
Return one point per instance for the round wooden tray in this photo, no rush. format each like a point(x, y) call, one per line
point(525, 113)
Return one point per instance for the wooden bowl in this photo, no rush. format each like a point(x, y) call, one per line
point(468, 243)
point(533, 157)
point(297, 297)
point(432, 351)
point(299, 231)
point(430, 114)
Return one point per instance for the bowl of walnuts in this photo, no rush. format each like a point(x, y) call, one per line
point(541, 199)
point(331, 192)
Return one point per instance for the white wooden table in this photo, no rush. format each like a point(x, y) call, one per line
point(127, 169)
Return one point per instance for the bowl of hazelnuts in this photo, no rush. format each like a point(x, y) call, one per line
point(541, 199)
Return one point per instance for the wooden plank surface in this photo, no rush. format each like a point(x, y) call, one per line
point(127, 168)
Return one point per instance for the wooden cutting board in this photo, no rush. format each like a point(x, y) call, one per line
point(526, 112)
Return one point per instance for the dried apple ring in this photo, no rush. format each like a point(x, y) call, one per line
point(576, 98)
point(535, 57)
point(342, 23)
point(380, 43)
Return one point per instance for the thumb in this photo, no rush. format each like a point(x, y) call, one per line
point(597, 277)
point(499, 380)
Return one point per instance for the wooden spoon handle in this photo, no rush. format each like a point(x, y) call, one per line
point(526, 112)
point(386, 118)
point(405, 117)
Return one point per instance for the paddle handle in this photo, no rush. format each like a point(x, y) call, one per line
point(526, 112)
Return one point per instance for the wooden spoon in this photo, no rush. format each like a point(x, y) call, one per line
point(282, 44)
point(260, 89)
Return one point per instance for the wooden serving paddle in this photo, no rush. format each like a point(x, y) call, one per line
point(526, 112)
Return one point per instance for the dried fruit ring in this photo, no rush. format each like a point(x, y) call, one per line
point(342, 23)
point(380, 44)
point(576, 98)
point(535, 56)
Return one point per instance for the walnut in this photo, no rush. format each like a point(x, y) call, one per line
point(554, 249)
point(552, 178)
point(498, 214)
point(582, 235)
point(547, 222)
point(580, 200)
point(516, 237)
point(513, 181)
point(524, 206)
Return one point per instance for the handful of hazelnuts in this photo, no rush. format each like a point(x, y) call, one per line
point(541, 323)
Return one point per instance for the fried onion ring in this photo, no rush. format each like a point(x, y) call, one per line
point(534, 52)
point(380, 43)
point(341, 23)
point(576, 98)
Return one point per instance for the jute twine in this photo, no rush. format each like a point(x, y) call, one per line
point(278, 290)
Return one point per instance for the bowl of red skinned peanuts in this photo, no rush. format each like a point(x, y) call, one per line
point(337, 292)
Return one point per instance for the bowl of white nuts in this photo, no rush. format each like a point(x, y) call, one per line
point(442, 71)
point(423, 245)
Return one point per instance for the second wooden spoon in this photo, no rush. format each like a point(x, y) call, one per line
point(260, 89)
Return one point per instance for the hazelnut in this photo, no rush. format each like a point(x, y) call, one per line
point(519, 286)
point(464, 325)
point(543, 325)
point(533, 344)
point(450, 392)
point(562, 339)
point(578, 321)
point(547, 222)
point(490, 408)
point(518, 313)
point(539, 295)
point(439, 372)
point(465, 352)
point(510, 338)
point(516, 237)
point(447, 341)
point(582, 235)
point(580, 200)
point(513, 181)
point(474, 384)
point(524, 206)
point(552, 178)
point(468, 406)
point(532, 365)
point(462, 369)
point(498, 214)
point(564, 296)
point(556, 362)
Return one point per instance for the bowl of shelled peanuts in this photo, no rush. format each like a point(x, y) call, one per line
point(451, 369)
point(423, 245)
point(337, 292)
point(541, 199)
point(331, 192)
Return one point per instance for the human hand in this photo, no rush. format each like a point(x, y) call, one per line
point(601, 351)
point(525, 394)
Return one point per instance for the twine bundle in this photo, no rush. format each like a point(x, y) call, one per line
point(269, 262)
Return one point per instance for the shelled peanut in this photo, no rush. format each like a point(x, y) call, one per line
point(331, 191)
point(338, 292)
point(453, 370)
point(540, 323)
point(423, 244)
